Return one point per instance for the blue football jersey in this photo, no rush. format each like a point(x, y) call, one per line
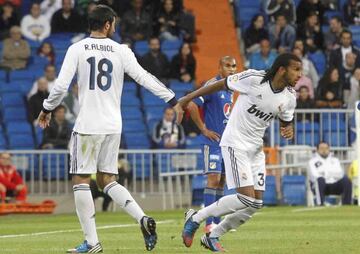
point(216, 108)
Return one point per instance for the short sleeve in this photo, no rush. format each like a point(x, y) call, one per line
point(240, 82)
point(199, 101)
point(286, 113)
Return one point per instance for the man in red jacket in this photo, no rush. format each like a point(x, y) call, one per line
point(11, 183)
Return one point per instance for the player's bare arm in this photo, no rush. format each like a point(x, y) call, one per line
point(286, 129)
point(195, 116)
point(217, 86)
point(44, 119)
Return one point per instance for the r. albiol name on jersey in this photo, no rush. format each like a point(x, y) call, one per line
point(99, 47)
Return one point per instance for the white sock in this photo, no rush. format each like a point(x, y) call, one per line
point(85, 210)
point(234, 220)
point(123, 198)
point(225, 205)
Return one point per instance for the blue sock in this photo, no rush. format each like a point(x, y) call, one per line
point(219, 194)
point(209, 198)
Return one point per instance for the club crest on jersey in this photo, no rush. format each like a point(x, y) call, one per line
point(258, 113)
point(227, 110)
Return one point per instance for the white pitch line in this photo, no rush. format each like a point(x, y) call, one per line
point(79, 230)
point(308, 209)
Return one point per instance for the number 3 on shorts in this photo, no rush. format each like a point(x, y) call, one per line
point(261, 179)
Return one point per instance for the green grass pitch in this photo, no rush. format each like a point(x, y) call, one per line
point(274, 230)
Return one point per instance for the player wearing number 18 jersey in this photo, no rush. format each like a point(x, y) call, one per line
point(263, 96)
point(100, 64)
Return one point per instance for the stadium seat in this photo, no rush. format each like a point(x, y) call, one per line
point(336, 138)
point(54, 166)
point(319, 60)
point(149, 99)
point(171, 44)
point(130, 86)
point(137, 140)
point(38, 135)
point(140, 164)
point(176, 85)
point(18, 128)
point(270, 195)
point(170, 53)
point(198, 184)
point(130, 100)
point(14, 114)
point(21, 141)
point(22, 75)
point(141, 47)
point(294, 189)
point(12, 100)
point(12, 87)
point(131, 113)
point(3, 143)
point(133, 126)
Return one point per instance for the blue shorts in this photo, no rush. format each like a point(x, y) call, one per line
point(213, 160)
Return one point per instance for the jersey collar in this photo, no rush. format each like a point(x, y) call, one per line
point(273, 90)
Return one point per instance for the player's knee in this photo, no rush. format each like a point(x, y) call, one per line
point(106, 179)
point(81, 179)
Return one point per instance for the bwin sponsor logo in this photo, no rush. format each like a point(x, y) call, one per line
point(258, 113)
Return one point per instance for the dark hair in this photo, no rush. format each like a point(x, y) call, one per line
point(321, 142)
point(153, 38)
point(52, 51)
point(254, 18)
point(99, 16)
point(345, 31)
point(337, 18)
point(282, 60)
point(49, 65)
point(59, 107)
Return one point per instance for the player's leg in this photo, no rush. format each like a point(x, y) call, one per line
point(83, 155)
point(107, 165)
point(239, 176)
point(220, 191)
point(212, 169)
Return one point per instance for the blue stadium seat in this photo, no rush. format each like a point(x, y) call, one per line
point(294, 189)
point(319, 60)
point(50, 163)
point(270, 195)
point(12, 87)
point(3, 143)
point(198, 184)
point(176, 85)
point(131, 113)
point(130, 100)
point(336, 138)
point(12, 100)
point(307, 138)
point(141, 47)
point(22, 75)
point(137, 140)
point(130, 86)
point(170, 53)
point(19, 128)
point(21, 141)
point(171, 44)
point(151, 100)
point(14, 114)
point(248, 3)
point(133, 126)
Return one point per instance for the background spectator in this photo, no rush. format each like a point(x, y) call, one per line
point(136, 23)
point(304, 102)
point(167, 133)
point(346, 71)
point(329, 90)
point(155, 61)
point(49, 7)
point(308, 68)
point(255, 33)
point(71, 102)
point(46, 50)
point(282, 35)
point(354, 88)
point(327, 176)
point(67, 20)
point(16, 51)
point(50, 75)
point(306, 7)
point(310, 33)
point(11, 180)
point(264, 58)
point(57, 135)
point(168, 21)
point(352, 12)
point(285, 8)
point(35, 26)
point(36, 101)
point(183, 64)
point(332, 37)
point(187, 26)
point(8, 19)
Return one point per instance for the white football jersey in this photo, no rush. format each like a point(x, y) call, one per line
point(100, 64)
point(255, 107)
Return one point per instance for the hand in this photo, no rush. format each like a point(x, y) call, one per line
point(287, 132)
point(183, 102)
point(19, 187)
point(212, 135)
point(44, 119)
point(179, 112)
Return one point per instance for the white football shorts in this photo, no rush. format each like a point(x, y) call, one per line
point(92, 153)
point(244, 168)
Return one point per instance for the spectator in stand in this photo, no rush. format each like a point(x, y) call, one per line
point(46, 50)
point(329, 91)
point(57, 135)
point(11, 182)
point(305, 81)
point(352, 12)
point(304, 102)
point(8, 19)
point(183, 64)
point(300, 45)
point(187, 26)
point(35, 102)
point(15, 3)
point(167, 133)
point(354, 88)
point(255, 33)
point(263, 59)
point(305, 7)
point(337, 56)
point(71, 102)
point(327, 176)
point(67, 20)
point(285, 8)
point(332, 37)
point(136, 23)
point(282, 35)
point(346, 71)
point(16, 51)
point(310, 33)
point(49, 7)
point(50, 75)
point(35, 26)
point(155, 61)
point(309, 69)
point(168, 21)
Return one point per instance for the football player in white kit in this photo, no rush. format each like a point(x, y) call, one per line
point(263, 96)
point(100, 64)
